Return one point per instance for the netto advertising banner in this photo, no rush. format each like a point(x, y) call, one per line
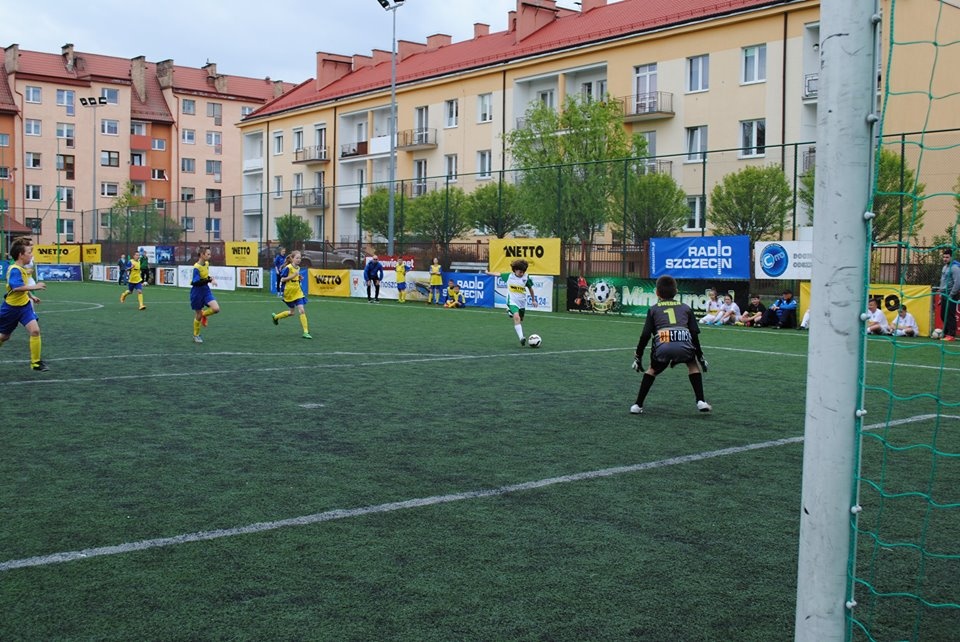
point(240, 254)
point(328, 282)
point(705, 257)
point(542, 255)
point(55, 254)
point(92, 253)
point(783, 260)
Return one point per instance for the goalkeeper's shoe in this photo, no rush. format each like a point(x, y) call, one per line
point(203, 320)
point(636, 410)
point(703, 406)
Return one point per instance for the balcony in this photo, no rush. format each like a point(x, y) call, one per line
point(313, 154)
point(310, 198)
point(139, 173)
point(416, 187)
point(650, 106)
point(414, 139)
point(657, 167)
point(348, 150)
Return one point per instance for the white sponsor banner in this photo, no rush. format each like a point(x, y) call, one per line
point(166, 276)
point(542, 287)
point(225, 277)
point(97, 273)
point(783, 260)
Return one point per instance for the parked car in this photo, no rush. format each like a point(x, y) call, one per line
point(316, 254)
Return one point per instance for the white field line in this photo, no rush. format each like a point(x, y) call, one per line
point(327, 516)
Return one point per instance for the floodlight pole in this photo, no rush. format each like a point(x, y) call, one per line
point(93, 103)
point(392, 188)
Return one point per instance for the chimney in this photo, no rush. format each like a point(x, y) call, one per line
point(220, 83)
point(11, 59)
point(406, 48)
point(330, 68)
point(211, 69)
point(480, 29)
point(438, 40)
point(511, 21)
point(359, 62)
point(533, 15)
point(277, 88)
point(379, 55)
point(138, 76)
point(165, 73)
point(590, 5)
point(68, 57)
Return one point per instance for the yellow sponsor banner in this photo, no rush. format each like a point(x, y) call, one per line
point(543, 255)
point(328, 282)
point(240, 254)
point(917, 298)
point(92, 252)
point(56, 254)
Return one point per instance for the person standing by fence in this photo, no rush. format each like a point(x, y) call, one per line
point(949, 293)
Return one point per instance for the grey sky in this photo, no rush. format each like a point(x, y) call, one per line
point(278, 38)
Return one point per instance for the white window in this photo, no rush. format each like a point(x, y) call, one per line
point(547, 98)
point(109, 189)
point(189, 106)
point(212, 225)
point(158, 174)
point(65, 227)
point(188, 165)
point(138, 188)
point(277, 186)
point(4, 173)
point(214, 167)
point(698, 73)
point(754, 64)
point(214, 110)
point(484, 163)
point(186, 222)
point(278, 143)
point(297, 139)
point(593, 90)
point(66, 99)
point(698, 206)
point(214, 138)
point(485, 108)
point(32, 160)
point(33, 95)
point(112, 95)
point(4, 140)
point(245, 111)
point(320, 136)
point(160, 204)
point(450, 167)
point(66, 196)
point(189, 136)
point(32, 127)
point(753, 137)
point(33, 192)
point(188, 194)
point(696, 143)
point(298, 182)
point(110, 127)
point(451, 111)
point(645, 89)
point(138, 128)
point(158, 144)
point(419, 177)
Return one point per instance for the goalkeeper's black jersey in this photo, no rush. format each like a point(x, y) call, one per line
point(670, 323)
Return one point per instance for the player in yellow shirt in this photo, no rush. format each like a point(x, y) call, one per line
point(135, 280)
point(455, 298)
point(201, 296)
point(18, 302)
point(436, 282)
point(401, 280)
point(293, 292)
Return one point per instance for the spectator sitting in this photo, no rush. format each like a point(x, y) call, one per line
point(729, 312)
point(782, 313)
point(876, 321)
point(448, 291)
point(905, 325)
point(455, 298)
point(754, 312)
point(713, 308)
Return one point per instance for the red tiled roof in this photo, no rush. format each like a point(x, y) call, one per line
point(569, 29)
point(7, 104)
point(11, 225)
point(192, 80)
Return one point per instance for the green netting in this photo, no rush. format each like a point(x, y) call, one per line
point(905, 566)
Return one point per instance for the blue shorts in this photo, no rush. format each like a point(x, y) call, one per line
point(200, 297)
point(293, 304)
point(11, 315)
point(135, 286)
point(401, 287)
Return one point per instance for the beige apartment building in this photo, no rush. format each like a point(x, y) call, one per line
point(712, 86)
point(75, 127)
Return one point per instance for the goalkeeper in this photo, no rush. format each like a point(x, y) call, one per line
point(674, 330)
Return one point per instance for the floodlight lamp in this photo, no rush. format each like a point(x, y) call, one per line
point(384, 3)
point(83, 101)
point(102, 100)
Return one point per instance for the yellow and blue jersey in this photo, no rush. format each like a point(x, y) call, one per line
point(291, 289)
point(436, 278)
point(17, 276)
point(134, 276)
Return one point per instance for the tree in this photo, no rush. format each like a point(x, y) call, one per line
point(495, 207)
point(440, 216)
point(656, 206)
point(897, 203)
point(375, 210)
point(132, 221)
point(753, 202)
point(572, 165)
point(292, 230)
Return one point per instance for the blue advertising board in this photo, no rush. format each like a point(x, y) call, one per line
point(477, 289)
point(702, 257)
point(58, 272)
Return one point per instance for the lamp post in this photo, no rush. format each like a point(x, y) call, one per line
point(93, 103)
point(392, 7)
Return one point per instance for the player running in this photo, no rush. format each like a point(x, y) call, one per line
point(518, 285)
point(293, 292)
point(135, 280)
point(200, 294)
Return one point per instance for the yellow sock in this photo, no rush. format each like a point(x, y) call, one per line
point(208, 312)
point(196, 327)
point(303, 323)
point(123, 297)
point(35, 349)
point(140, 298)
point(284, 314)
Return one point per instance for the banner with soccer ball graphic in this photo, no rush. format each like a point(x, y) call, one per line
point(616, 295)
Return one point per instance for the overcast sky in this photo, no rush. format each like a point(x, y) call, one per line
point(277, 38)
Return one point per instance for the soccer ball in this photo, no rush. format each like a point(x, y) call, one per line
point(601, 291)
point(534, 340)
point(936, 334)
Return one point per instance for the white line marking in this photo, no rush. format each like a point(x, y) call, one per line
point(327, 516)
point(311, 406)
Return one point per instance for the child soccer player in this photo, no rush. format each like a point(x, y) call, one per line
point(200, 294)
point(135, 280)
point(674, 330)
point(518, 285)
point(401, 280)
point(293, 293)
point(18, 302)
point(436, 282)
point(455, 298)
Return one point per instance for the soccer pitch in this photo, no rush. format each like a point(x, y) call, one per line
point(410, 473)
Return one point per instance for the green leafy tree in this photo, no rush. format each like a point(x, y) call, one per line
point(292, 230)
point(375, 210)
point(656, 206)
point(572, 164)
point(440, 216)
point(495, 207)
point(132, 221)
point(753, 202)
point(898, 204)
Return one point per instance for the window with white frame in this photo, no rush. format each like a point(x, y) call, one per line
point(696, 143)
point(419, 177)
point(112, 95)
point(245, 111)
point(67, 164)
point(4, 173)
point(187, 222)
point(450, 167)
point(214, 139)
point(212, 226)
point(298, 182)
point(66, 98)
point(592, 90)
point(65, 227)
point(214, 167)
point(320, 136)
point(33, 192)
point(188, 193)
point(66, 196)
point(278, 143)
point(138, 188)
point(697, 218)
point(4, 140)
point(451, 113)
point(188, 106)
point(484, 163)
point(33, 94)
point(109, 159)
point(32, 127)
point(188, 136)
point(109, 189)
point(160, 203)
point(188, 165)
point(698, 73)
point(138, 128)
point(485, 108)
point(753, 137)
point(214, 110)
point(110, 127)
point(158, 144)
point(297, 139)
point(32, 160)
point(754, 64)
point(547, 98)
point(277, 186)
point(158, 174)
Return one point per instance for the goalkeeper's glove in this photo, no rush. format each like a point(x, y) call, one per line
point(703, 364)
point(638, 363)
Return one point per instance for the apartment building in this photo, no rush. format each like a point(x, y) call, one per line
point(76, 126)
point(693, 76)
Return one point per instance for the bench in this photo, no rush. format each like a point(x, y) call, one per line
point(468, 266)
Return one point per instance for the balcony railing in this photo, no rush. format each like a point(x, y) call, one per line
point(648, 106)
point(413, 139)
point(417, 187)
point(358, 148)
point(313, 198)
point(809, 160)
point(312, 154)
point(657, 167)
